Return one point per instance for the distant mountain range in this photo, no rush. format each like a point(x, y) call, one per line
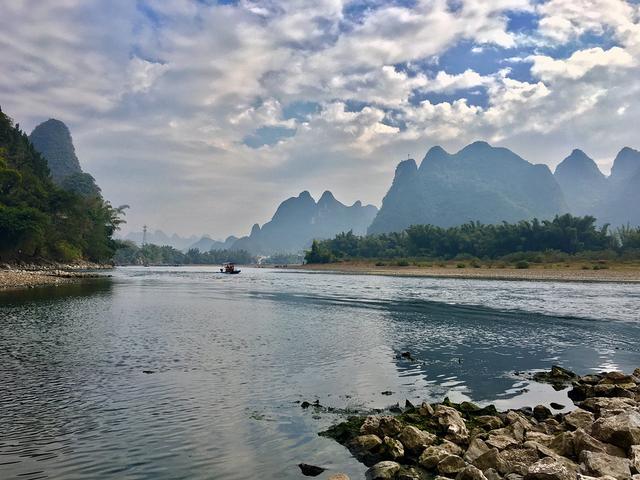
point(158, 237)
point(53, 140)
point(299, 220)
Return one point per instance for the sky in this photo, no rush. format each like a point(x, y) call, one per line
point(204, 115)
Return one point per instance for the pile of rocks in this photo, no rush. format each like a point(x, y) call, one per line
point(600, 438)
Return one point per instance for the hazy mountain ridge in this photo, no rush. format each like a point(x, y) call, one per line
point(299, 220)
point(478, 183)
point(53, 140)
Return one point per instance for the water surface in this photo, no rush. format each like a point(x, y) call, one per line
point(229, 358)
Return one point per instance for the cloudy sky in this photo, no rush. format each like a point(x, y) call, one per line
point(204, 115)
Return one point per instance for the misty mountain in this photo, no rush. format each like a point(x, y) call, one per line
point(158, 237)
point(299, 220)
point(206, 243)
point(621, 204)
point(583, 184)
point(478, 183)
point(53, 140)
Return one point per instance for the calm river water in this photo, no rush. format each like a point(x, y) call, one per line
point(229, 358)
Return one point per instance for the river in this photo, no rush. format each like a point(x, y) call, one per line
point(170, 372)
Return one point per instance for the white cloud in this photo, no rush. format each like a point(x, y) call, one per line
point(580, 63)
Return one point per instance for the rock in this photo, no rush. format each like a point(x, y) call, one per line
point(310, 470)
point(415, 439)
point(371, 425)
point(393, 448)
point(501, 441)
point(476, 448)
point(549, 469)
point(634, 456)
point(412, 473)
point(492, 474)
point(426, 410)
point(579, 418)
point(489, 422)
point(451, 465)
point(563, 444)
point(366, 443)
point(516, 460)
point(452, 423)
point(431, 457)
point(551, 426)
point(451, 448)
point(383, 471)
point(487, 460)
point(339, 476)
point(470, 473)
point(609, 406)
point(556, 406)
point(513, 476)
point(636, 373)
point(618, 378)
point(622, 430)
point(585, 442)
point(558, 376)
point(390, 426)
point(600, 464)
point(540, 413)
point(539, 437)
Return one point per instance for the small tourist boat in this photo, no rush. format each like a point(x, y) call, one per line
point(229, 268)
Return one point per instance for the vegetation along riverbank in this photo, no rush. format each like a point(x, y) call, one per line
point(599, 438)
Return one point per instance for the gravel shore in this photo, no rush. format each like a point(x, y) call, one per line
point(29, 276)
point(627, 274)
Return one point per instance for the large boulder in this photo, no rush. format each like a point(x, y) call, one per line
point(476, 448)
point(549, 469)
point(386, 470)
point(489, 422)
point(601, 464)
point(470, 473)
point(451, 465)
point(431, 456)
point(582, 441)
point(371, 425)
point(490, 459)
point(452, 423)
point(501, 441)
point(390, 426)
point(579, 418)
point(634, 456)
point(516, 460)
point(393, 447)
point(415, 439)
point(563, 444)
point(366, 443)
point(608, 406)
point(622, 430)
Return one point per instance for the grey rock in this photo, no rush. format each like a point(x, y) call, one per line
point(431, 457)
point(634, 456)
point(489, 422)
point(477, 447)
point(390, 426)
point(393, 448)
point(415, 439)
point(622, 430)
point(366, 443)
point(501, 441)
point(579, 418)
point(453, 424)
point(549, 469)
point(451, 465)
point(563, 444)
point(516, 460)
point(386, 470)
point(585, 442)
point(492, 474)
point(470, 473)
point(371, 425)
point(600, 464)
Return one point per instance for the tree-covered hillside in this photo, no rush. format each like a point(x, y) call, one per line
point(39, 220)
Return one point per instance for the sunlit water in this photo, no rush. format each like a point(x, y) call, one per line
point(230, 356)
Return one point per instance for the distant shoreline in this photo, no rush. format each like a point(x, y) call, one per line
point(574, 273)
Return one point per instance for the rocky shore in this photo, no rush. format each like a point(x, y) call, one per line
point(18, 276)
point(600, 438)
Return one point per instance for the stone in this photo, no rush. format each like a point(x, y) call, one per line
point(600, 464)
point(470, 473)
point(636, 373)
point(585, 442)
point(579, 418)
point(431, 457)
point(390, 426)
point(492, 474)
point(608, 406)
point(539, 437)
point(476, 448)
point(489, 422)
point(540, 413)
point(393, 447)
point(366, 443)
point(501, 441)
point(513, 476)
point(371, 425)
point(563, 444)
point(310, 470)
point(488, 460)
point(426, 410)
point(383, 471)
point(516, 460)
point(622, 430)
point(451, 465)
point(549, 469)
point(618, 378)
point(551, 426)
point(412, 473)
point(556, 406)
point(451, 448)
point(415, 439)
point(634, 456)
point(339, 476)
point(452, 423)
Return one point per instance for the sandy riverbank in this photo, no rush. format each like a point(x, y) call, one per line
point(29, 276)
point(629, 273)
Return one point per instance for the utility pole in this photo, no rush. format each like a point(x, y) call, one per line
point(144, 235)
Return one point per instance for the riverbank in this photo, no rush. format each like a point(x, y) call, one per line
point(599, 438)
point(628, 273)
point(14, 277)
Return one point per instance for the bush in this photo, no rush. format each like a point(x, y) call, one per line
point(402, 263)
point(461, 265)
point(380, 264)
point(522, 264)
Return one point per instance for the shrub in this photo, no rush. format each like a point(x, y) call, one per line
point(402, 263)
point(461, 265)
point(522, 264)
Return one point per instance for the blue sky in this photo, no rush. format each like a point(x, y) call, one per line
point(204, 115)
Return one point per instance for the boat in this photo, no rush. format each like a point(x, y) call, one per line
point(229, 268)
